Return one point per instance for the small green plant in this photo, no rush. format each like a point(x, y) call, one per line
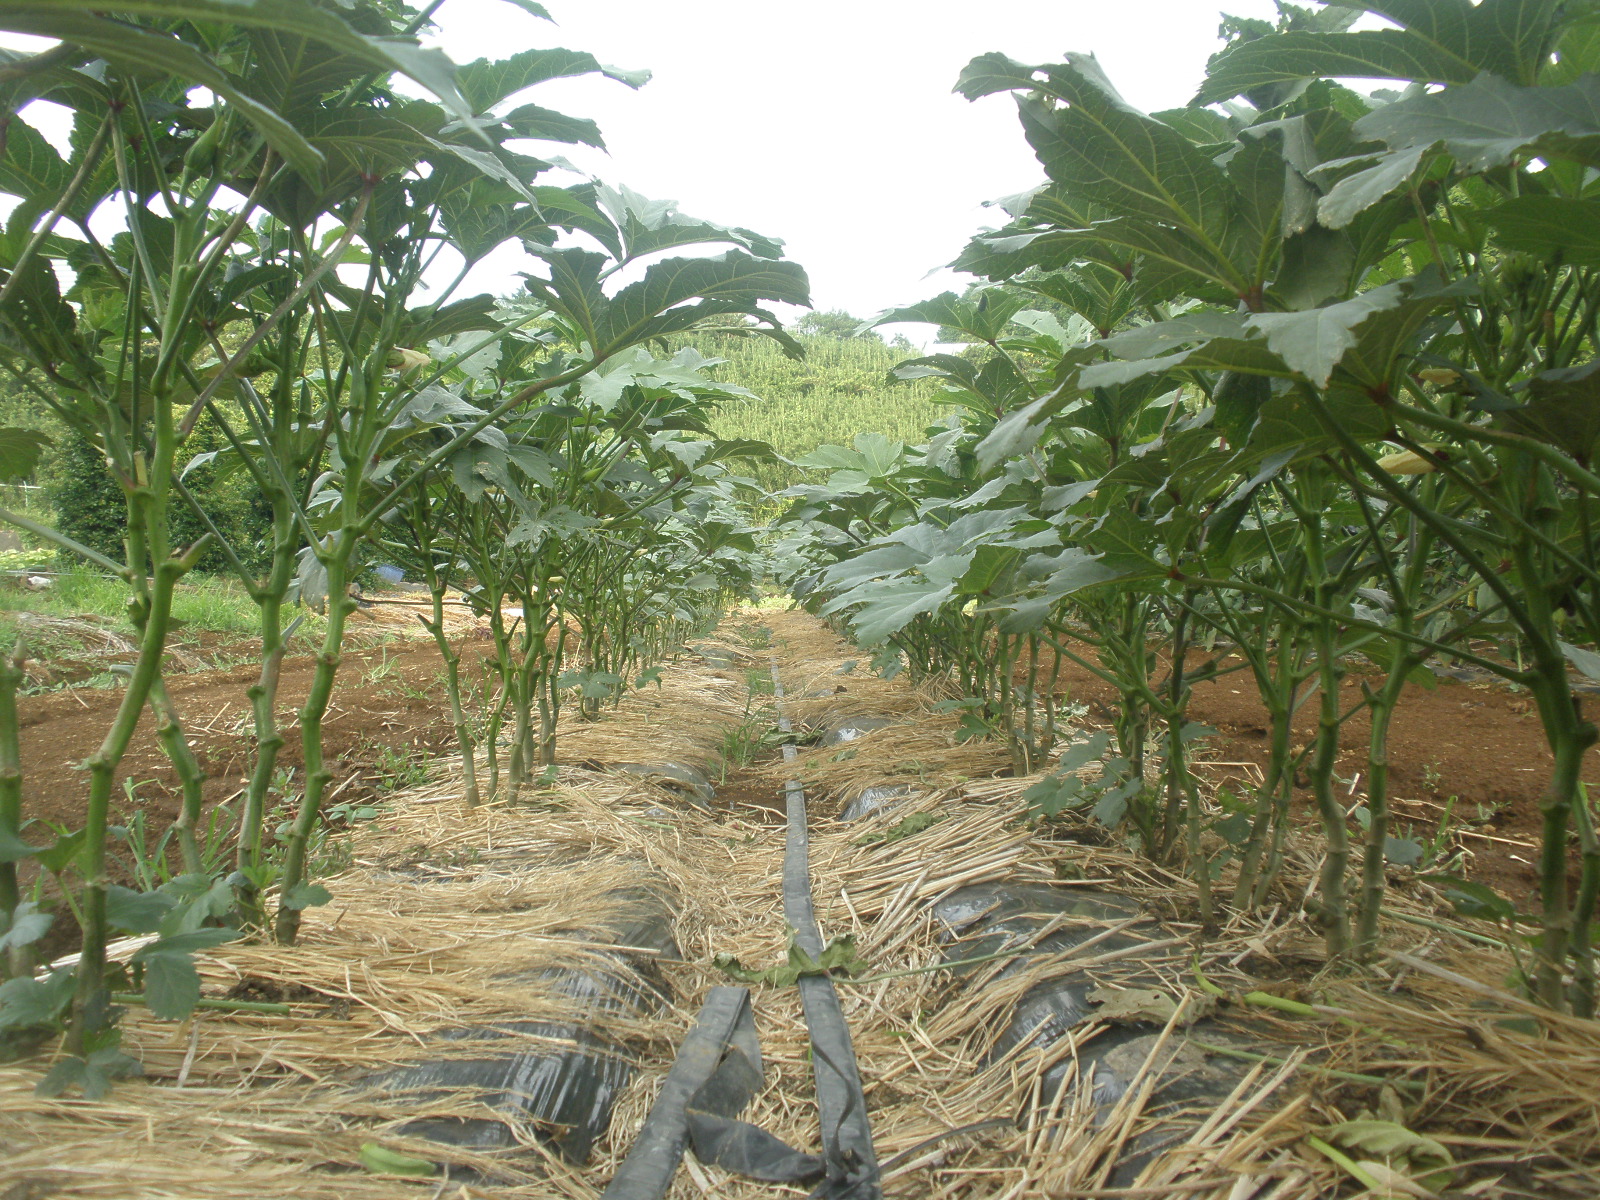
point(147, 860)
point(326, 851)
point(742, 742)
point(1436, 848)
point(1410, 849)
point(838, 955)
point(383, 669)
point(902, 829)
point(399, 767)
point(757, 637)
point(1487, 812)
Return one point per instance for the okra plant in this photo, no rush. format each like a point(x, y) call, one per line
point(282, 203)
point(1316, 400)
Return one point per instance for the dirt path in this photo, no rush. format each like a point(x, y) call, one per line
point(450, 919)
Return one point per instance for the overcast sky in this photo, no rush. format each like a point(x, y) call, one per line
point(832, 124)
point(829, 124)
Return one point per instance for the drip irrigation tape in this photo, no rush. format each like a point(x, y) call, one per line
point(718, 1069)
point(851, 1162)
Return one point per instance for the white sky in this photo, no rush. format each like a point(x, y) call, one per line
point(832, 124)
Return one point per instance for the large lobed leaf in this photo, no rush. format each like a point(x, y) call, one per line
point(736, 280)
point(1488, 122)
point(1443, 41)
point(1484, 124)
point(138, 50)
point(485, 83)
point(19, 452)
point(1554, 228)
point(428, 67)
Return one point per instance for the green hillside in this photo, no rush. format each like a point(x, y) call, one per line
point(840, 389)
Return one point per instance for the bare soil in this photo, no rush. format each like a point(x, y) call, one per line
point(1476, 747)
point(388, 704)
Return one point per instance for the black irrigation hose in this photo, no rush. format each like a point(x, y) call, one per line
point(852, 1164)
point(718, 1069)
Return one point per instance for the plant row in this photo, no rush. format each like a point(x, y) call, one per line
point(257, 227)
point(1296, 383)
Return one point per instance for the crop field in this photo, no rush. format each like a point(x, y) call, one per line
point(611, 738)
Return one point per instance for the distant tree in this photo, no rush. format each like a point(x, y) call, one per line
point(89, 505)
point(835, 323)
point(87, 500)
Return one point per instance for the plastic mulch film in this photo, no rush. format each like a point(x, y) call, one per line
point(567, 1087)
point(994, 917)
point(717, 1071)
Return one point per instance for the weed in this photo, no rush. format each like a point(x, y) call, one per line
point(398, 767)
point(1435, 847)
point(757, 637)
point(384, 668)
point(1425, 853)
point(754, 733)
point(902, 829)
point(1488, 811)
point(147, 861)
point(743, 742)
point(350, 812)
point(327, 852)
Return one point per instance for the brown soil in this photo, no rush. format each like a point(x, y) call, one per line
point(389, 698)
point(753, 798)
point(1480, 743)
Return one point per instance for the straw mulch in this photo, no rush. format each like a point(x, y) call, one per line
point(446, 920)
point(681, 722)
point(825, 680)
point(445, 914)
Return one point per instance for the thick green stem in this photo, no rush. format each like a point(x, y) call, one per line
point(1030, 736)
point(1335, 912)
point(11, 677)
point(269, 741)
point(1380, 709)
point(1583, 908)
point(1276, 671)
point(452, 684)
point(549, 691)
point(192, 779)
point(1570, 738)
point(1180, 781)
point(340, 606)
point(89, 995)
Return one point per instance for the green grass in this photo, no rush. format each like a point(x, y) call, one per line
point(213, 603)
point(202, 605)
point(842, 388)
point(27, 560)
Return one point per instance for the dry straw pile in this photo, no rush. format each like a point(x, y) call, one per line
point(448, 916)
